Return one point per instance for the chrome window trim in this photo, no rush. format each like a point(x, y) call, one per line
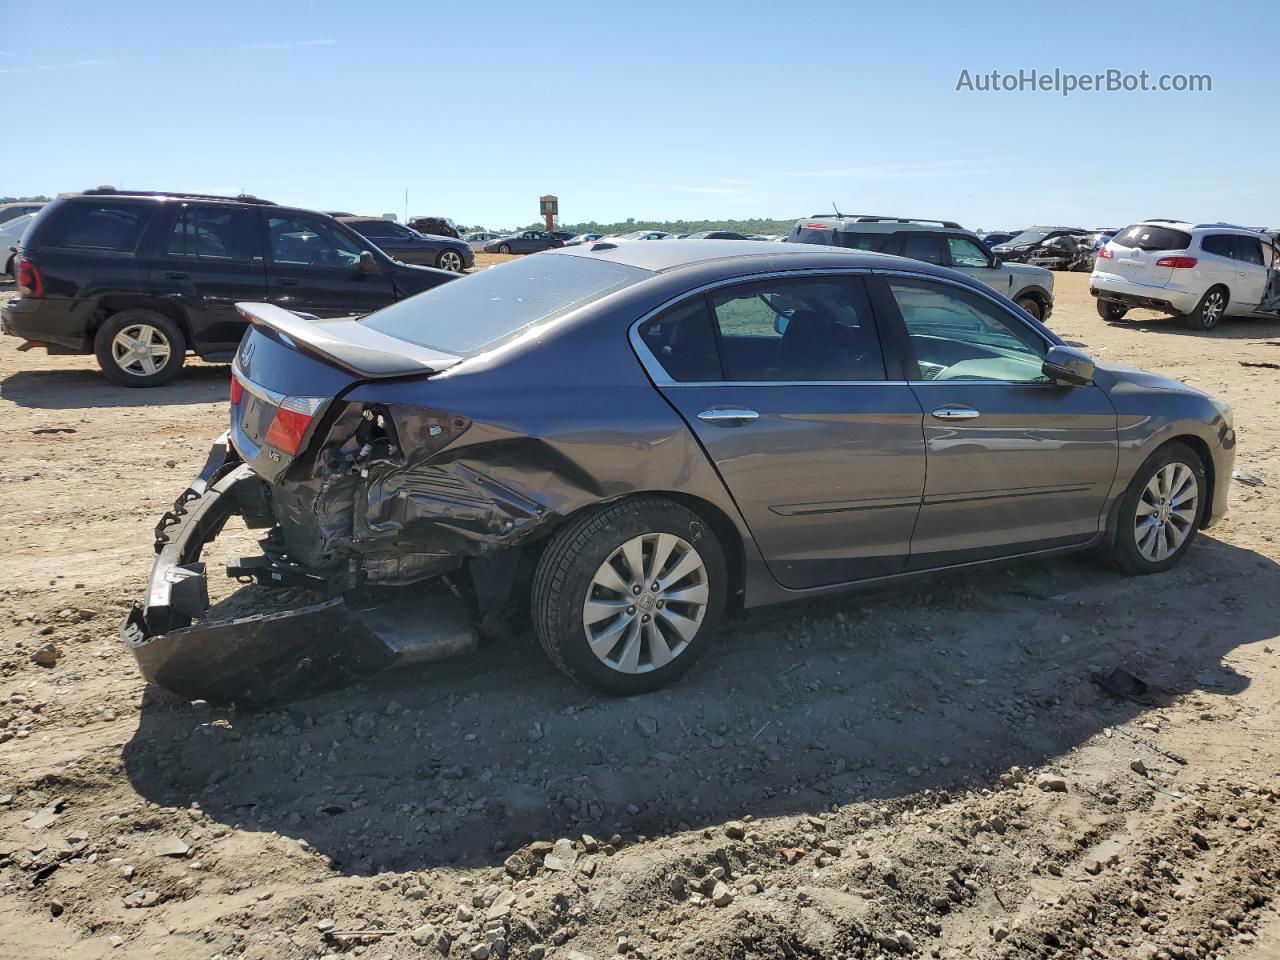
point(661, 378)
point(653, 367)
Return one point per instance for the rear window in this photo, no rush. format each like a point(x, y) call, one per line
point(88, 226)
point(1145, 236)
point(482, 309)
point(861, 241)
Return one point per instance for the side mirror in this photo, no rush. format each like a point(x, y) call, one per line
point(1068, 365)
point(780, 321)
point(367, 262)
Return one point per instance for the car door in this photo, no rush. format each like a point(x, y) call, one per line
point(969, 258)
point(208, 258)
point(1251, 272)
point(314, 266)
point(814, 431)
point(1015, 462)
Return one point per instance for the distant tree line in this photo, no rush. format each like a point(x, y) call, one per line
point(757, 225)
point(24, 199)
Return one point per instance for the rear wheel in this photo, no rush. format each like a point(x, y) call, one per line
point(1111, 312)
point(505, 248)
point(1032, 306)
point(139, 348)
point(1160, 512)
point(1210, 310)
point(450, 260)
point(627, 596)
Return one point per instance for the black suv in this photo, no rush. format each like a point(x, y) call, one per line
point(139, 279)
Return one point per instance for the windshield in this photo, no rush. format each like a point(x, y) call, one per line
point(478, 311)
point(1029, 236)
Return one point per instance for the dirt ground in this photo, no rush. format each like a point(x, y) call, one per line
point(928, 771)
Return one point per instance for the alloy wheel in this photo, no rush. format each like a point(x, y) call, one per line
point(1214, 306)
point(1166, 512)
point(141, 350)
point(646, 603)
point(449, 260)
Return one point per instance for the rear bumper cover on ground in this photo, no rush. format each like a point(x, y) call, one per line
point(308, 649)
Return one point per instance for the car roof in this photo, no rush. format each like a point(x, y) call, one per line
point(346, 219)
point(664, 257)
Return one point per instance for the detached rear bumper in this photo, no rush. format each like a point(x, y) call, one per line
point(316, 646)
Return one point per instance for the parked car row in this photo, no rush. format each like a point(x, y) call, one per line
point(139, 279)
point(941, 242)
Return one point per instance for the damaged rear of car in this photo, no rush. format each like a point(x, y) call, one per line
point(432, 441)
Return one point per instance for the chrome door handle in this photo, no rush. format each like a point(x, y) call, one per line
point(728, 416)
point(956, 413)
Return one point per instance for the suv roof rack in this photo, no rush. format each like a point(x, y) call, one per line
point(874, 218)
point(1232, 226)
point(108, 190)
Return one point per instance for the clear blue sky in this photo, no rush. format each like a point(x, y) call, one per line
point(647, 109)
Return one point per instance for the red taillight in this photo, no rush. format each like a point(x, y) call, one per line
point(817, 226)
point(30, 281)
point(237, 390)
point(1105, 253)
point(291, 422)
point(1178, 263)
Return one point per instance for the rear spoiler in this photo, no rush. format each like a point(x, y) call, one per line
point(349, 344)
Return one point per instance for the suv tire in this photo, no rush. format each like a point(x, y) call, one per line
point(1210, 311)
point(1032, 306)
point(643, 638)
point(1151, 494)
point(139, 348)
point(1111, 311)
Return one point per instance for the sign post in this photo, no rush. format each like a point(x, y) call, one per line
point(549, 207)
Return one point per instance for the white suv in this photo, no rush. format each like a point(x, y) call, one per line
point(1201, 272)
point(943, 242)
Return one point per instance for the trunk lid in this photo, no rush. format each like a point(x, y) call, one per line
point(290, 368)
point(1136, 250)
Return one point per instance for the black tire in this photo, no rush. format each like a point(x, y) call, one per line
point(1209, 311)
point(505, 248)
point(563, 583)
point(450, 260)
point(166, 331)
point(1123, 552)
point(1111, 311)
point(1032, 306)
point(8, 268)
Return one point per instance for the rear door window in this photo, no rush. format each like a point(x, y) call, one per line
point(1248, 249)
point(212, 233)
point(1146, 236)
point(797, 329)
point(1219, 244)
point(684, 343)
point(927, 247)
point(105, 227)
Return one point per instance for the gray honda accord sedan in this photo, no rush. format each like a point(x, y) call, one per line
point(620, 440)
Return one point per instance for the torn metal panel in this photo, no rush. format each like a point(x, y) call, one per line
point(325, 642)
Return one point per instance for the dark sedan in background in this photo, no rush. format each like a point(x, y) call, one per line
point(624, 439)
point(410, 246)
point(526, 241)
